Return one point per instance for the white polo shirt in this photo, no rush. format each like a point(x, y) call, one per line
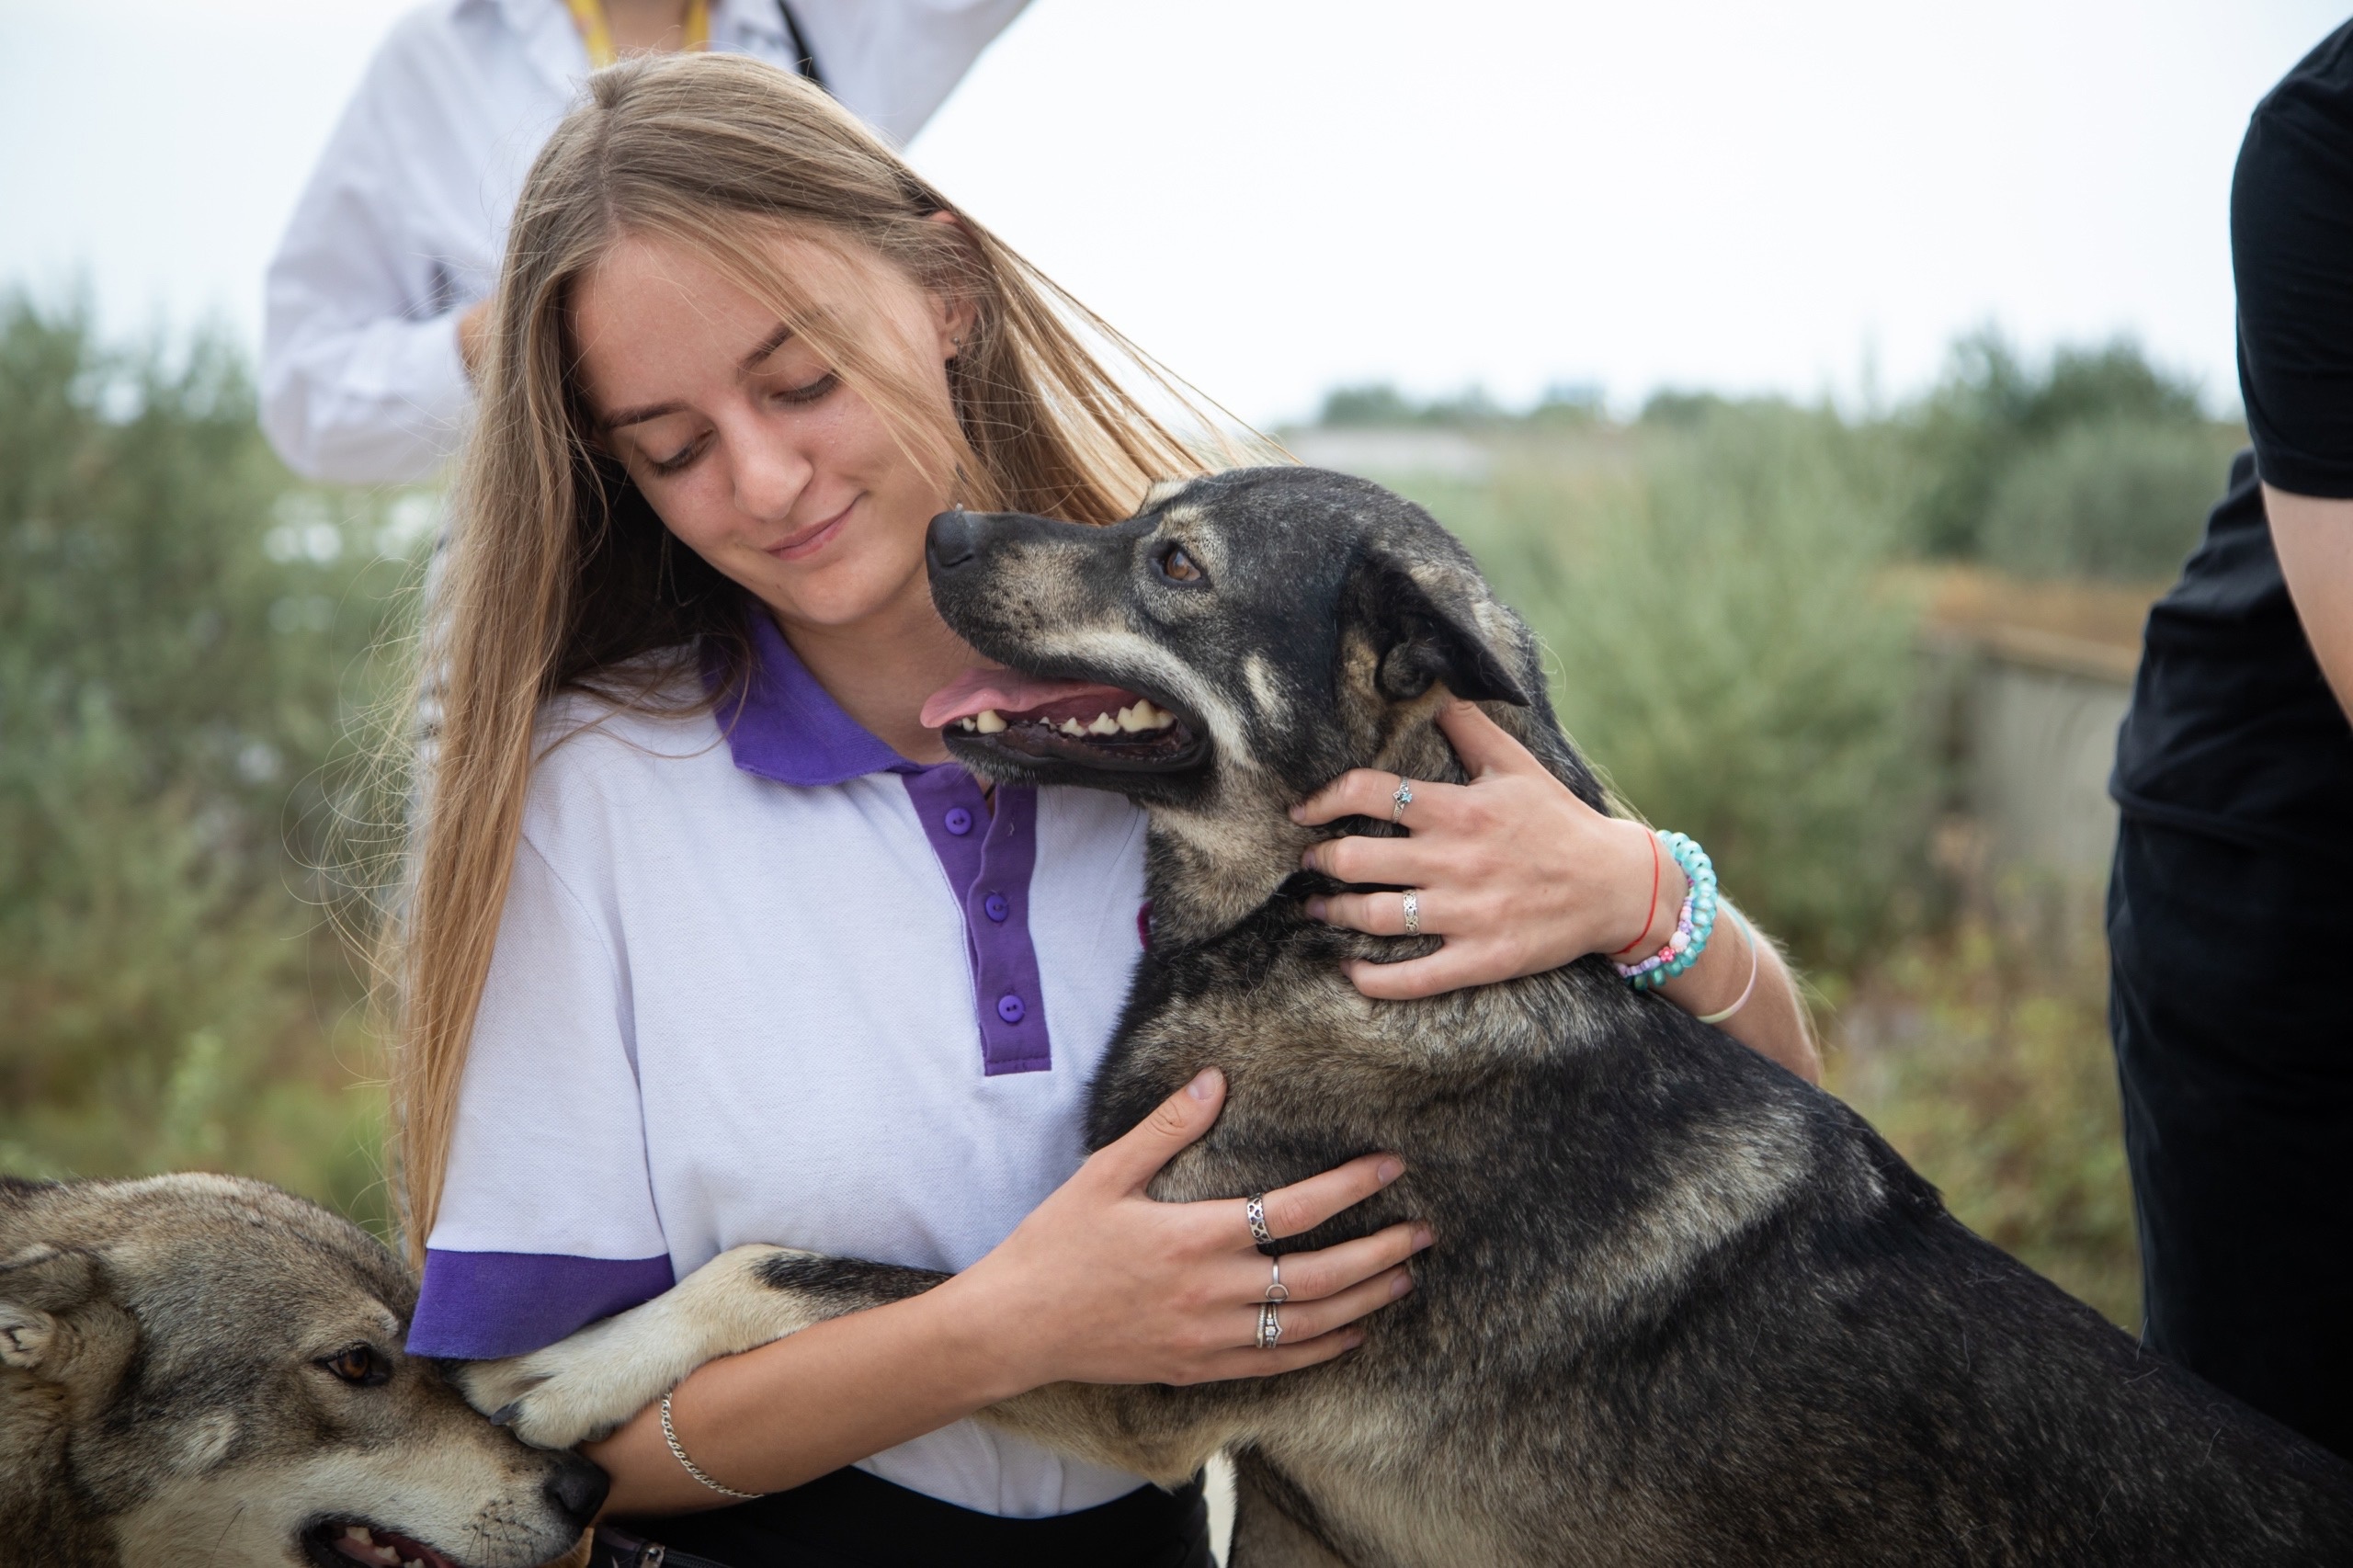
point(779, 984)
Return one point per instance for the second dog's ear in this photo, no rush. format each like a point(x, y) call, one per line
point(38, 1286)
point(1435, 620)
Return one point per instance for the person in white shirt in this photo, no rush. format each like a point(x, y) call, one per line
point(373, 297)
point(709, 942)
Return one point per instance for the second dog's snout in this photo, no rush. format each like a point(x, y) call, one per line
point(952, 540)
point(577, 1488)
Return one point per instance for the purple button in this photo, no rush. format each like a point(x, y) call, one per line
point(958, 821)
point(1009, 1009)
point(995, 907)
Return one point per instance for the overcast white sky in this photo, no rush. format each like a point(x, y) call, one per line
point(1280, 195)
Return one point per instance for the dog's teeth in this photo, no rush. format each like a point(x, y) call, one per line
point(1128, 719)
point(967, 723)
point(1104, 724)
point(989, 721)
point(1151, 718)
point(358, 1533)
point(1073, 727)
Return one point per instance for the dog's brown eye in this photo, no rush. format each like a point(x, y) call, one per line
point(1178, 567)
point(359, 1365)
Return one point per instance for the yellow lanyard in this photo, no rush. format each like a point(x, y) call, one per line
point(589, 15)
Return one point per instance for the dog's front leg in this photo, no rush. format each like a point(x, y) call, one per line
point(579, 1389)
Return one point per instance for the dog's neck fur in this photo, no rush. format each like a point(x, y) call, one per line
point(1209, 869)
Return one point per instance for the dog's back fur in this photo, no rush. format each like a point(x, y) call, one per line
point(167, 1393)
point(1683, 1307)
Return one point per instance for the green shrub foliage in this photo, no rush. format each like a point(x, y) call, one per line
point(181, 628)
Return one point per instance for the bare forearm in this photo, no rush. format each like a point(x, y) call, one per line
point(1772, 1022)
point(807, 1404)
point(2314, 540)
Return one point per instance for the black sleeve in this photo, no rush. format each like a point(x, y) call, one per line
point(2291, 249)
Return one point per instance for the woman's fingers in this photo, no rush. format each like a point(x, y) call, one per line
point(1136, 1156)
point(1312, 1276)
point(1303, 1205)
point(1484, 745)
point(1368, 792)
point(1313, 1332)
point(1450, 967)
point(1381, 914)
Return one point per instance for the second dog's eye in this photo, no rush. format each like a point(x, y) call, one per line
point(359, 1365)
point(1177, 566)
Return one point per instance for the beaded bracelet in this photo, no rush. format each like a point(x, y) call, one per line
point(1694, 922)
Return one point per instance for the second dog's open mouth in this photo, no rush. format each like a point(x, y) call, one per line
point(340, 1542)
point(1070, 720)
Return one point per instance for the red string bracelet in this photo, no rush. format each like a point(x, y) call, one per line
point(1650, 910)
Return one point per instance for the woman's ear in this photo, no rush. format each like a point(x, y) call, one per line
point(955, 312)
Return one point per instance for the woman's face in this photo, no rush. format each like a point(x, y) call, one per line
point(745, 442)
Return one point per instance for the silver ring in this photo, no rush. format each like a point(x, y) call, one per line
point(1276, 1290)
point(1413, 912)
point(1270, 1325)
point(1402, 798)
point(1254, 1209)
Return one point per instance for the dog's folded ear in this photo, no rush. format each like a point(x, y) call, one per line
point(1433, 619)
point(38, 1286)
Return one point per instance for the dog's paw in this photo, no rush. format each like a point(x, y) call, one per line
point(579, 1389)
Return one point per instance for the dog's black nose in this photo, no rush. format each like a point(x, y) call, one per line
point(577, 1488)
point(952, 540)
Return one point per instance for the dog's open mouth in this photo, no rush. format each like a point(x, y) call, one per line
point(338, 1543)
point(1067, 720)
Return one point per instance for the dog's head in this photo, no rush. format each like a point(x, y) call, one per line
point(220, 1366)
point(1239, 644)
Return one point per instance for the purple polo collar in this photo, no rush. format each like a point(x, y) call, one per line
point(784, 726)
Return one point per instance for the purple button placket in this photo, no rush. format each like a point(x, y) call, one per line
point(988, 859)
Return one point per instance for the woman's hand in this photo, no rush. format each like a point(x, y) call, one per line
point(1520, 875)
point(1516, 874)
point(1101, 1284)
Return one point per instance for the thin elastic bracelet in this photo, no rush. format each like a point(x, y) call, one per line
point(1748, 935)
point(679, 1453)
point(1650, 910)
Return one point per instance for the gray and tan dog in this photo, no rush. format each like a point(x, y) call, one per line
point(1683, 1309)
point(201, 1370)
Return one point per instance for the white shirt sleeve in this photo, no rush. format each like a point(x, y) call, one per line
point(894, 62)
point(547, 1219)
point(360, 378)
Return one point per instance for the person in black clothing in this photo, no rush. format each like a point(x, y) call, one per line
point(2227, 911)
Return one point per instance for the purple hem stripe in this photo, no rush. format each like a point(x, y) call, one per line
point(479, 1305)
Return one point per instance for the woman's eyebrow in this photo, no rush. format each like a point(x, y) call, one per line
point(639, 415)
point(750, 362)
point(766, 345)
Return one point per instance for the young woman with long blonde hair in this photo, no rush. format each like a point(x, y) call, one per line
point(706, 943)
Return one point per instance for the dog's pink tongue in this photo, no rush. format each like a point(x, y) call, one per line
point(1008, 691)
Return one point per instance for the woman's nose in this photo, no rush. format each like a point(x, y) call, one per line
point(769, 477)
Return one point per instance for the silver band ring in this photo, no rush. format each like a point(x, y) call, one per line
point(1253, 1208)
point(1402, 798)
point(1413, 912)
point(1270, 1325)
point(1276, 1289)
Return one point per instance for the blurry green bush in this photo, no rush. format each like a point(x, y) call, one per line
point(2099, 462)
point(181, 628)
point(1708, 587)
point(2124, 500)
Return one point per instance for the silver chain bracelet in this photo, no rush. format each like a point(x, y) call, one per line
point(678, 1452)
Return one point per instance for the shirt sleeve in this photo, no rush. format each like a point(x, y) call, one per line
point(894, 62)
point(361, 380)
point(2292, 251)
point(547, 1220)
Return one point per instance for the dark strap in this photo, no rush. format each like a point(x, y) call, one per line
point(852, 1519)
point(803, 61)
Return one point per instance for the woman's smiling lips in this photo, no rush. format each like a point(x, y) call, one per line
point(811, 539)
